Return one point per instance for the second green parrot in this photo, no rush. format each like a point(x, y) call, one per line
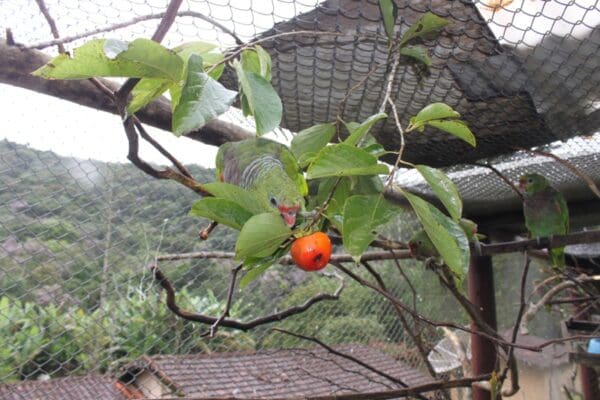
point(545, 211)
point(267, 168)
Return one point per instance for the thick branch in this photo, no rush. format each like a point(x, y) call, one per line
point(231, 323)
point(16, 66)
point(287, 260)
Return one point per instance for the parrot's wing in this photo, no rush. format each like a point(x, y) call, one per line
point(561, 204)
point(227, 164)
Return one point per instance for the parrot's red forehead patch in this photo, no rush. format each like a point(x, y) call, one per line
point(285, 209)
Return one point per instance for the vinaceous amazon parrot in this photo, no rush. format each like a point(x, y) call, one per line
point(268, 169)
point(545, 211)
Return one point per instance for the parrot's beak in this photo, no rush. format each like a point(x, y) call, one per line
point(522, 184)
point(289, 215)
point(412, 247)
point(289, 218)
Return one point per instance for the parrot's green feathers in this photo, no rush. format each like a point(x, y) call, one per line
point(545, 211)
point(267, 168)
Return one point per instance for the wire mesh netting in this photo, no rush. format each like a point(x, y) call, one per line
point(77, 234)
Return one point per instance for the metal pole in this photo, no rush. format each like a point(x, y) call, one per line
point(589, 383)
point(482, 295)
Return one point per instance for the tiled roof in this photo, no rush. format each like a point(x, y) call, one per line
point(92, 387)
point(279, 373)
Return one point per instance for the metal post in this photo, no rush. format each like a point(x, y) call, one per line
point(482, 295)
point(589, 382)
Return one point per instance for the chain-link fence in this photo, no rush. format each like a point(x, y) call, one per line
point(78, 230)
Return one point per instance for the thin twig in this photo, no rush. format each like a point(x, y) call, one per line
point(167, 173)
point(235, 324)
point(402, 146)
point(213, 328)
point(410, 285)
point(146, 136)
point(534, 307)
point(354, 87)
point(133, 21)
point(501, 176)
point(346, 356)
point(52, 23)
point(512, 364)
point(492, 337)
point(571, 167)
point(414, 337)
point(389, 81)
point(239, 50)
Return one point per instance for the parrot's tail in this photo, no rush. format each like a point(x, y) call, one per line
point(557, 257)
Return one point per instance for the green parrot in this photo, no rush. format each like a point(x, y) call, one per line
point(422, 248)
point(545, 211)
point(267, 168)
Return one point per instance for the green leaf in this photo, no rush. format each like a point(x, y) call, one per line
point(389, 11)
point(358, 133)
point(205, 50)
point(362, 215)
point(146, 90)
point(307, 143)
point(456, 128)
point(419, 53)
point(141, 58)
point(257, 270)
point(242, 197)
point(185, 50)
point(261, 236)
point(202, 99)
point(223, 211)
point(344, 160)
point(257, 266)
point(377, 150)
point(446, 235)
point(433, 111)
point(257, 60)
point(444, 189)
point(428, 23)
point(341, 191)
point(366, 185)
point(259, 100)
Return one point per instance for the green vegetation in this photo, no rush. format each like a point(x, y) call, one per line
point(76, 295)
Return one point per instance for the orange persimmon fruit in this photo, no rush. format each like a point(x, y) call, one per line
point(312, 252)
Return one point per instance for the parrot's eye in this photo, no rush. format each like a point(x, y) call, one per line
point(273, 201)
point(529, 180)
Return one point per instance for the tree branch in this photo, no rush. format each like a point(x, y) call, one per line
point(348, 357)
point(16, 66)
point(535, 307)
point(235, 324)
point(215, 326)
point(414, 337)
point(286, 260)
point(51, 22)
point(133, 21)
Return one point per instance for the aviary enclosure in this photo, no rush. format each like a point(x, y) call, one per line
point(447, 149)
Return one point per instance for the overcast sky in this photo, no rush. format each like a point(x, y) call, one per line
point(47, 123)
